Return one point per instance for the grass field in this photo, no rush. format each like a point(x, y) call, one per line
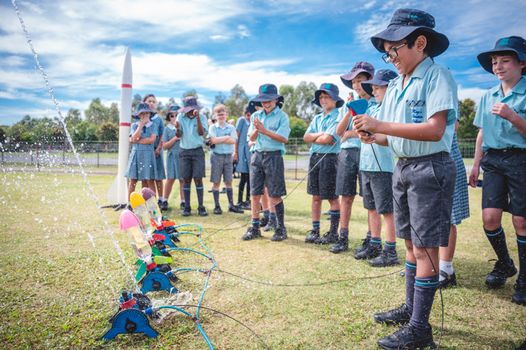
point(58, 290)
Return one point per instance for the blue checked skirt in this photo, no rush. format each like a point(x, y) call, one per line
point(460, 209)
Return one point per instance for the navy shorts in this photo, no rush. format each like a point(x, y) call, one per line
point(377, 191)
point(267, 170)
point(423, 198)
point(504, 185)
point(322, 175)
point(221, 164)
point(348, 167)
point(192, 164)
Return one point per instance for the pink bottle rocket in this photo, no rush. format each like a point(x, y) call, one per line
point(153, 207)
point(130, 223)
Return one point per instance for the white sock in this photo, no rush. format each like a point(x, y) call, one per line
point(162, 199)
point(447, 267)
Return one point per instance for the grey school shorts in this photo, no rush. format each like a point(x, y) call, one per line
point(423, 198)
point(221, 164)
point(377, 191)
point(267, 170)
point(504, 184)
point(192, 163)
point(348, 166)
point(322, 175)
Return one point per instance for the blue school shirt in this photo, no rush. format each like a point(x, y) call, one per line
point(242, 126)
point(352, 142)
point(190, 138)
point(158, 126)
point(384, 157)
point(146, 132)
point(497, 132)
point(430, 89)
point(326, 124)
point(226, 130)
point(277, 122)
point(168, 134)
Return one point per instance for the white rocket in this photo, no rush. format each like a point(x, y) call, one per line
point(118, 192)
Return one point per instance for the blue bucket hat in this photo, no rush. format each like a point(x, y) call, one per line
point(359, 67)
point(173, 109)
point(330, 89)
point(190, 104)
point(381, 77)
point(142, 107)
point(510, 44)
point(406, 21)
point(268, 92)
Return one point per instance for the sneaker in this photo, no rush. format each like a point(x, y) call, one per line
point(264, 221)
point(235, 209)
point(341, 246)
point(187, 211)
point(218, 211)
point(279, 235)
point(271, 225)
point(386, 258)
point(365, 244)
point(409, 337)
point(201, 211)
point(448, 281)
point(246, 205)
point(164, 206)
point(313, 236)
point(328, 238)
point(372, 251)
point(501, 272)
point(182, 205)
point(399, 315)
point(251, 233)
point(519, 297)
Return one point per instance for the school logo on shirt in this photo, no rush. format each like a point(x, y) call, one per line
point(417, 110)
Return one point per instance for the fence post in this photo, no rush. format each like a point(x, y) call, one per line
point(296, 166)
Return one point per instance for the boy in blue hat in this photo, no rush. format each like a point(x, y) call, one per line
point(501, 151)
point(323, 162)
point(191, 129)
point(223, 138)
point(270, 130)
point(376, 172)
point(349, 158)
point(417, 122)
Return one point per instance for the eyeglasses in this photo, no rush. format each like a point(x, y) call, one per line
point(171, 116)
point(390, 55)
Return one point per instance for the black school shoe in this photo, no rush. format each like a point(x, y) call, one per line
point(409, 337)
point(201, 211)
point(371, 252)
point(519, 297)
point(251, 234)
point(328, 238)
point(501, 272)
point(399, 315)
point(341, 246)
point(279, 235)
point(386, 258)
point(246, 205)
point(263, 222)
point(365, 244)
point(187, 211)
point(448, 281)
point(235, 209)
point(218, 211)
point(312, 236)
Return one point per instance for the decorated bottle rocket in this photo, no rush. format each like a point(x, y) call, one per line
point(138, 205)
point(153, 207)
point(130, 223)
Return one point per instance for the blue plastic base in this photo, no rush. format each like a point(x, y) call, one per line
point(157, 281)
point(129, 321)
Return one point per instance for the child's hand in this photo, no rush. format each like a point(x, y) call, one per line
point(366, 137)
point(176, 124)
point(259, 125)
point(195, 113)
point(474, 176)
point(364, 122)
point(502, 110)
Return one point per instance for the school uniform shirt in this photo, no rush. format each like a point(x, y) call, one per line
point(243, 151)
point(217, 130)
point(277, 122)
point(499, 133)
point(381, 159)
point(172, 154)
point(326, 124)
point(190, 138)
point(158, 126)
point(351, 142)
point(430, 89)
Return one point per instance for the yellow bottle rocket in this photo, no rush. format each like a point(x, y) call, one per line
point(138, 205)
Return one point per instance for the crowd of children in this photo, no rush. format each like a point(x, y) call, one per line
point(411, 117)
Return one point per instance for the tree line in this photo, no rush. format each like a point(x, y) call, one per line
point(101, 123)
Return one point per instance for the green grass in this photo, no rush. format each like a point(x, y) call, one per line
point(58, 290)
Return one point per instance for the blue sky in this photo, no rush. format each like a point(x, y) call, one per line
point(211, 45)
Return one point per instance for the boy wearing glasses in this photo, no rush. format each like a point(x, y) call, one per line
point(417, 122)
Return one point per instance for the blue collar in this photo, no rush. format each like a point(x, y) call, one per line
point(519, 88)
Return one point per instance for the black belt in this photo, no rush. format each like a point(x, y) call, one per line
point(426, 157)
point(511, 150)
point(266, 153)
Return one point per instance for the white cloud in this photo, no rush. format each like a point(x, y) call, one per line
point(473, 93)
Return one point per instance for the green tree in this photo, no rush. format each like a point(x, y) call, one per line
point(3, 133)
point(303, 95)
point(22, 131)
point(85, 131)
point(466, 129)
point(136, 100)
point(191, 92)
point(108, 132)
point(72, 118)
point(237, 101)
point(220, 98)
point(289, 107)
point(113, 113)
point(97, 113)
point(298, 127)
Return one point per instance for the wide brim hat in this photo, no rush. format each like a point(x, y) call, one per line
point(359, 67)
point(141, 108)
point(512, 44)
point(406, 21)
point(331, 90)
point(268, 92)
point(173, 109)
point(190, 104)
point(382, 77)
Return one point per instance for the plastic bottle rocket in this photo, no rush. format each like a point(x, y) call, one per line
point(153, 207)
point(130, 223)
point(138, 205)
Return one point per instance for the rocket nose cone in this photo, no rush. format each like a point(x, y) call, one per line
point(147, 193)
point(136, 200)
point(128, 220)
